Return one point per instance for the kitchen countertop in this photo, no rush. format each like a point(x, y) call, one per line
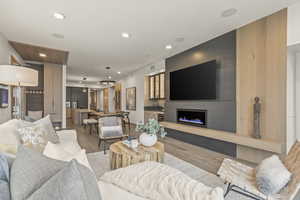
point(154, 108)
point(154, 111)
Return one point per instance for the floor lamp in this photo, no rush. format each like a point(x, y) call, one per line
point(20, 77)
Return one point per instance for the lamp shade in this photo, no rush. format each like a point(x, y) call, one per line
point(18, 76)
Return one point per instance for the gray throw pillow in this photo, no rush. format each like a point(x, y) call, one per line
point(31, 170)
point(4, 190)
point(4, 168)
point(4, 178)
point(68, 184)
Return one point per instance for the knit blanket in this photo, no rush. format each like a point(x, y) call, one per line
point(157, 181)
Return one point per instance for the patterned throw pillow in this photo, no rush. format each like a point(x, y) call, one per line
point(34, 137)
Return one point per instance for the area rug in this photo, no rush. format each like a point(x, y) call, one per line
point(100, 164)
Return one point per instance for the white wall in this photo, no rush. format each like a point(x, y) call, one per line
point(5, 52)
point(297, 87)
point(291, 99)
point(111, 101)
point(293, 24)
point(136, 79)
point(64, 90)
point(101, 99)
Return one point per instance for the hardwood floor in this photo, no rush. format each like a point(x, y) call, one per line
point(200, 157)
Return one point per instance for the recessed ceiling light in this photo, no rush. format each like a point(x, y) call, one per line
point(169, 47)
point(229, 12)
point(80, 82)
point(59, 16)
point(42, 55)
point(125, 35)
point(109, 77)
point(119, 72)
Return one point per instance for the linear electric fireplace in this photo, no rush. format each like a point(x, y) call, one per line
point(192, 117)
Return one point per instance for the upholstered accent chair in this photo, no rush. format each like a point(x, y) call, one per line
point(241, 178)
point(110, 128)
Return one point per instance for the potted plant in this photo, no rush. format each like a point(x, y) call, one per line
point(150, 131)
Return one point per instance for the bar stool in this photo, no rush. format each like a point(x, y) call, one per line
point(91, 123)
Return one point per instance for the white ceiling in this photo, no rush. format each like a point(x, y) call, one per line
point(92, 29)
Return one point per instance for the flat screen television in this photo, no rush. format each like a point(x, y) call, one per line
point(194, 83)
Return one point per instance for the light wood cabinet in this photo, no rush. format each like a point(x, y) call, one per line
point(53, 91)
point(157, 86)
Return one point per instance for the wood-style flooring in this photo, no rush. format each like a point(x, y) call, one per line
point(198, 156)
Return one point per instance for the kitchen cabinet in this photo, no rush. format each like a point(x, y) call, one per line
point(53, 91)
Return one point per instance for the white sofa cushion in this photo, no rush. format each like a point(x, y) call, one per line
point(35, 115)
point(10, 138)
point(67, 135)
point(58, 152)
point(112, 192)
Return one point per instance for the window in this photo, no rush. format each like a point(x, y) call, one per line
point(157, 86)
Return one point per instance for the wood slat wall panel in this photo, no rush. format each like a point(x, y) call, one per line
point(261, 71)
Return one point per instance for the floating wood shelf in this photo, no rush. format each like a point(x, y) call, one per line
point(261, 144)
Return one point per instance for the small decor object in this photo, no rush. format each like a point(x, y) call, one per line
point(131, 98)
point(149, 131)
point(133, 144)
point(256, 121)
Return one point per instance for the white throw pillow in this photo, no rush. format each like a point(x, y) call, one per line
point(272, 176)
point(46, 122)
point(9, 137)
point(56, 151)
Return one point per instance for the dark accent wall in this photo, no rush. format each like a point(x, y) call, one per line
point(221, 113)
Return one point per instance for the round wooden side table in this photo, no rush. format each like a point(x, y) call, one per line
point(123, 156)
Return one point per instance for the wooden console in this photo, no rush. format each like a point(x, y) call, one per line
point(239, 139)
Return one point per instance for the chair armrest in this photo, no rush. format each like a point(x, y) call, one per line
point(232, 170)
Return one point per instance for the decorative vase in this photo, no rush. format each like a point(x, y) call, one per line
point(148, 140)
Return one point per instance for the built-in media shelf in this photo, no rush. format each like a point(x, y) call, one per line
point(261, 144)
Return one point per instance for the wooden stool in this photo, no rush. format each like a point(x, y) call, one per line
point(123, 156)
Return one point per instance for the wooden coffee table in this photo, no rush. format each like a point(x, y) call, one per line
point(123, 156)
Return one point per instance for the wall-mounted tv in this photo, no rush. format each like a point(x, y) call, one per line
point(194, 83)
